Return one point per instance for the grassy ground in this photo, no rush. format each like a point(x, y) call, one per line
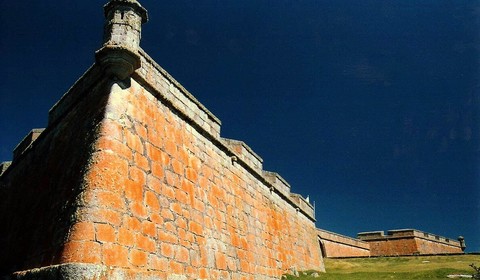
point(433, 267)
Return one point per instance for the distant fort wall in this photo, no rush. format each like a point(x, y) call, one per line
point(409, 242)
point(335, 245)
point(402, 242)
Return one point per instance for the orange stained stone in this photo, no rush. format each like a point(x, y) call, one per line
point(168, 237)
point(198, 205)
point(244, 266)
point(192, 271)
point(151, 200)
point(133, 190)
point(179, 135)
point(203, 273)
point(168, 191)
point(138, 209)
point(166, 250)
point(167, 214)
point(220, 260)
point(182, 196)
point(231, 264)
point(141, 162)
point(171, 227)
point(188, 187)
point(176, 267)
point(110, 200)
point(100, 215)
point(183, 155)
point(81, 251)
point(157, 263)
point(112, 129)
point(115, 255)
point(105, 233)
point(137, 257)
point(176, 207)
point(153, 153)
point(196, 228)
point(140, 130)
point(154, 183)
point(132, 223)
point(204, 255)
point(137, 175)
point(149, 228)
point(145, 243)
point(181, 233)
point(108, 176)
point(200, 240)
point(182, 254)
point(133, 141)
point(191, 174)
point(120, 149)
point(126, 237)
point(156, 218)
point(158, 169)
point(177, 167)
point(181, 222)
point(171, 147)
point(82, 231)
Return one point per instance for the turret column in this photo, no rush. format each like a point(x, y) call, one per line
point(121, 40)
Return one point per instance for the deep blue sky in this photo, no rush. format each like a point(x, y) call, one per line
point(369, 107)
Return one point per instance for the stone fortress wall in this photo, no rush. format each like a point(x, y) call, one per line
point(404, 242)
point(401, 242)
point(132, 180)
point(335, 245)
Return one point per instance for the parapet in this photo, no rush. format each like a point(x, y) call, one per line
point(369, 235)
point(4, 166)
point(27, 142)
point(342, 239)
point(245, 153)
point(303, 204)
point(154, 76)
point(278, 182)
point(406, 233)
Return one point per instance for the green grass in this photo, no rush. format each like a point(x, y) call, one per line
point(432, 267)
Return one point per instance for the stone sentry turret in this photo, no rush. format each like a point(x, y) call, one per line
point(121, 40)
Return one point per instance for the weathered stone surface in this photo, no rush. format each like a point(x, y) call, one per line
point(131, 180)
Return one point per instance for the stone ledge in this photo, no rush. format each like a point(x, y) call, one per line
point(4, 166)
point(406, 234)
point(303, 204)
point(244, 152)
point(27, 142)
point(70, 271)
point(342, 239)
point(277, 181)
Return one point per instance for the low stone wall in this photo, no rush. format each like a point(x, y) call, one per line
point(335, 245)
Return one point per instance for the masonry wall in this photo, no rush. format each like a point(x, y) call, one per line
point(335, 245)
point(393, 247)
point(40, 191)
point(409, 242)
point(144, 186)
